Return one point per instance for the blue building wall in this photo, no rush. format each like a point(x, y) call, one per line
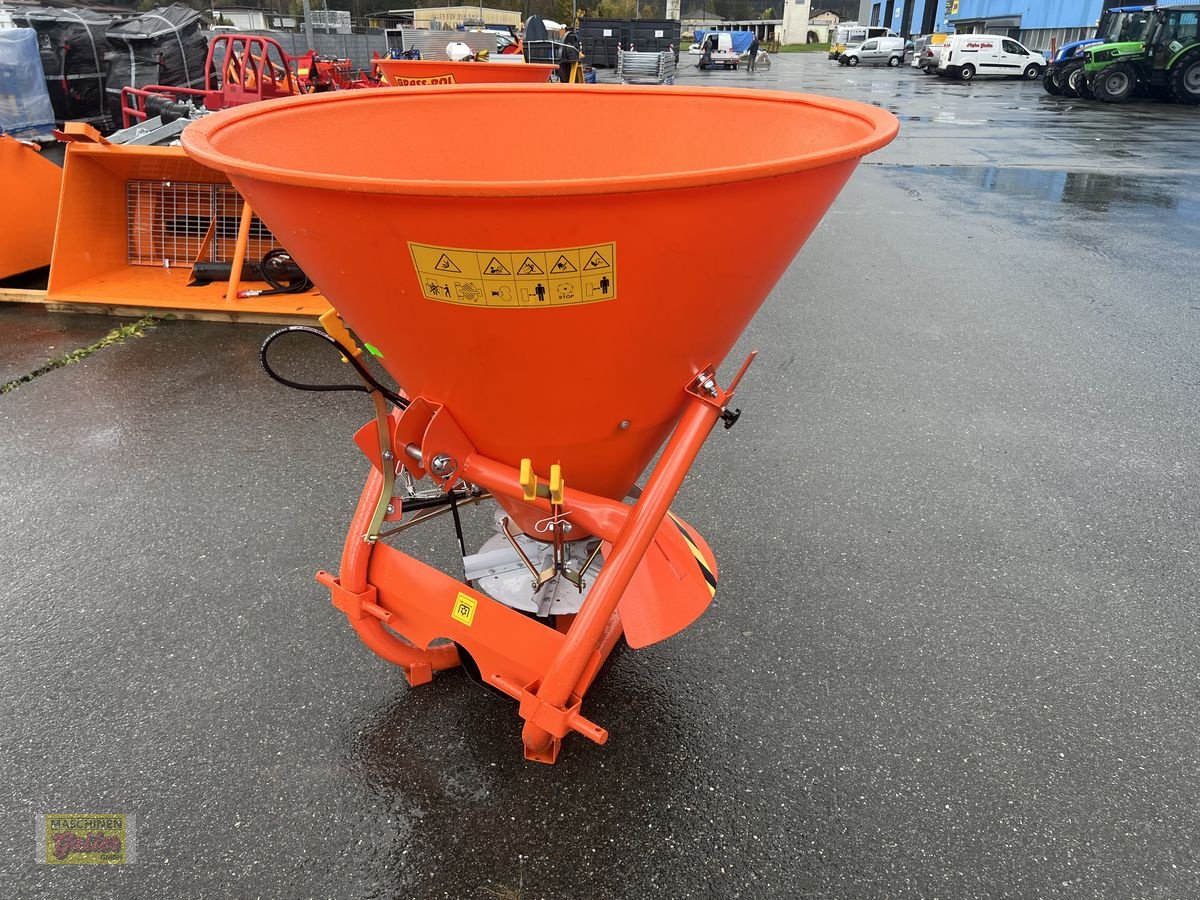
point(1034, 13)
point(1036, 16)
point(919, 7)
point(918, 16)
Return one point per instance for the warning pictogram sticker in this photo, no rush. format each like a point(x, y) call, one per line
point(464, 609)
point(516, 279)
point(596, 261)
point(446, 264)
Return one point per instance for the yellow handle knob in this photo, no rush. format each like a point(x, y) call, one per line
point(336, 329)
point(529, 483)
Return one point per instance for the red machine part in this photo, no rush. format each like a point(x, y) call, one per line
point(245, 68)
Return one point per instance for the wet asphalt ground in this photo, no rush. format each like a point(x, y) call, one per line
point(953, 653)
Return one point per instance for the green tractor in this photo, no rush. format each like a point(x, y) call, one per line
point(1064, 74)
point(1165, 63)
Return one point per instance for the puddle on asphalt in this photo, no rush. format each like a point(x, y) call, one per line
point(1118, 196)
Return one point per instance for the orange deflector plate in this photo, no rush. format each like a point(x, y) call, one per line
point(556, 294)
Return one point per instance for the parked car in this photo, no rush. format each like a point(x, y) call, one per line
point(880, 51)
point(849, 34)
point(927, 52)
point(967, 56)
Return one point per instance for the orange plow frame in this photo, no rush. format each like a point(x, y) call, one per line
point(31, 187)
point(385, 593)
point(90, 261)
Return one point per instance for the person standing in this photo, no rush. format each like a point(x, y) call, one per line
point(753, 54)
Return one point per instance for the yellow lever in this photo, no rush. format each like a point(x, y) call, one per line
point(529, 482)
point(336, 329)
point(556, 485)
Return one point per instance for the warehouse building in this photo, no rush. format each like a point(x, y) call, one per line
point(907, 17)
point(1034, 23)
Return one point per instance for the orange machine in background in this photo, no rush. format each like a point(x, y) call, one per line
point(142, 226)
point(31, 185)
point(408, 72)
point(542, 311)
point(134, 222)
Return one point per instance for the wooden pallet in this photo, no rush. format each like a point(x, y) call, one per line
point(304, 317)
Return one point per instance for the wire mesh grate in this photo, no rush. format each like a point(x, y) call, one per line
point(175, 223)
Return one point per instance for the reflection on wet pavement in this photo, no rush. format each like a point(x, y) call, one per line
point(1124, 197)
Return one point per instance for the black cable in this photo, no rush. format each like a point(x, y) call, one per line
point(400, 402)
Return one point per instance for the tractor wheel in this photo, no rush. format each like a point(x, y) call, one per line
point(1115, 84)
point(1070, 78)
point(1032, 73)
point(1184, 79)
point(1050, 82)
point(893, 61)
point(852, 61)
point(967, 72)
point(1083, 87)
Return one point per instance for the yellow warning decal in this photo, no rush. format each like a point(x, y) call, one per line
point(563, 276)
point(464, 609)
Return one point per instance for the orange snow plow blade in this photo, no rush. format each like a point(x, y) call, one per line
point(132, 223)
point(30, 188)
point(554, 314)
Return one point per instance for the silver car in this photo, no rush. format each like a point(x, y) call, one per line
point(881, 51)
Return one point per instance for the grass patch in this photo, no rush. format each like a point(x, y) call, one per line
point(804, 48)
point(116, 336)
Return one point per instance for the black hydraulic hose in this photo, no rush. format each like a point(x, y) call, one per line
point(284, 259)
point(370, 382)
point(281, 274)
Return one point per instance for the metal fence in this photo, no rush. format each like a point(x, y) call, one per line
point(355, 47)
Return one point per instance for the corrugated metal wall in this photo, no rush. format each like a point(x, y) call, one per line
point(1034, 15)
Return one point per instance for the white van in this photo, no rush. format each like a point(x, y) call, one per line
point(927, 51)
point(716, 50)
point(880, 51)
point(967, 56)
point(850, 33)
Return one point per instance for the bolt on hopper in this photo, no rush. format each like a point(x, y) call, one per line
point(531, 299)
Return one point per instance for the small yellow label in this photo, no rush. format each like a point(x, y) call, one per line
point(564, 276)
point(464, 609)
point(86, 839)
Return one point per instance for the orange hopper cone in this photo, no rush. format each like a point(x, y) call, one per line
point(555, 309)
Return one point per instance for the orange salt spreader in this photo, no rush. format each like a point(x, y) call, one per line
point(537, 301)
point(409, 72)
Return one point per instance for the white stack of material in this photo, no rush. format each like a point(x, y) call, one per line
point(645, 68)
point(432, 44)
